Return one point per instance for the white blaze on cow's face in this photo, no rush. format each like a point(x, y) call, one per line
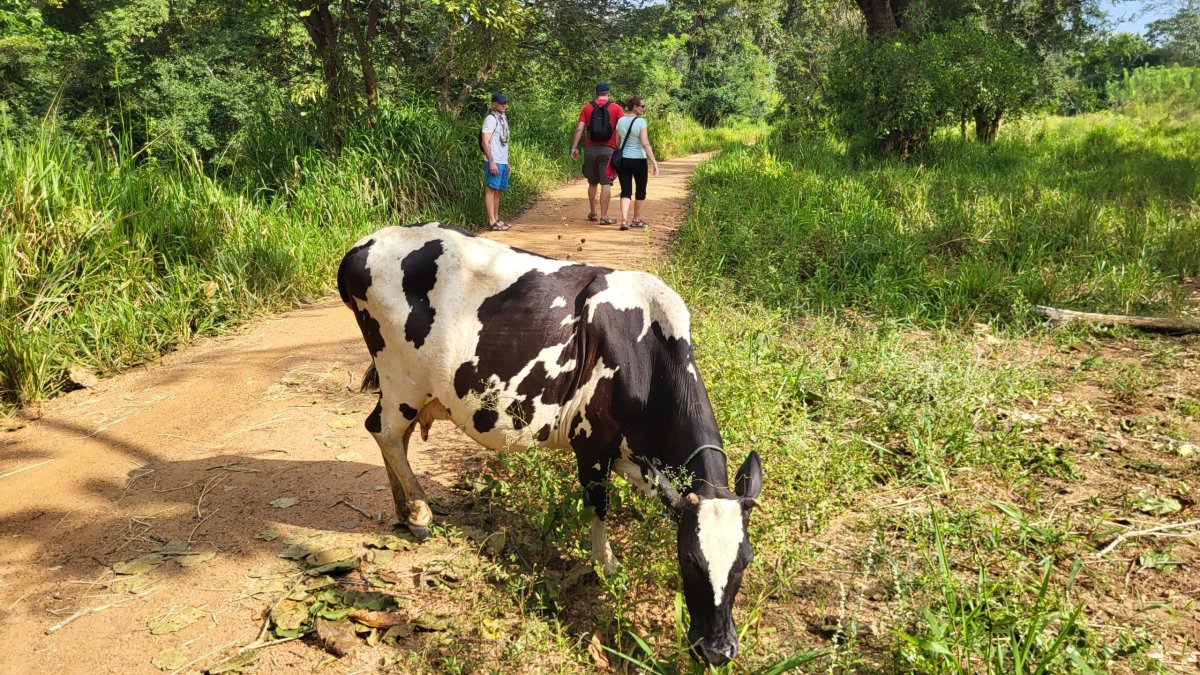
point(719, 531)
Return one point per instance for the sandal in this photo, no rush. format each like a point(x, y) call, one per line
point(624, 226)
point(608, 221)
point(593, 217)
point(638, 223)
point(499, 226)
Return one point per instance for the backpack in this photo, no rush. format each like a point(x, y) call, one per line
point(600, 127)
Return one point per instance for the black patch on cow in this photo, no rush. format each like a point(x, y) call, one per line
point(573, 427)
point(485, 418)
point(420, 274)
point(408, 411)
point(507, 344)
point(372, 423)
point(354, 278)
point(543, 434)
point(520, 411)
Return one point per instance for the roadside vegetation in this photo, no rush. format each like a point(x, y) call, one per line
point(114, 254)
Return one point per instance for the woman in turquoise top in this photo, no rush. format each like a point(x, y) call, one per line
point(638, 159)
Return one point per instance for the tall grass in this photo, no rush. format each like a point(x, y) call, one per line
point(1175, 87)
point(1099, 213)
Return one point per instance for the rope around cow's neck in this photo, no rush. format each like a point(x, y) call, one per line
point(700, 449)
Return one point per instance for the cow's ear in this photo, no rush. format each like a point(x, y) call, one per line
point(662, 487)
point(748, 483)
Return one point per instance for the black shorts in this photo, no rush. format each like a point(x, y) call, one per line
point(633, 171)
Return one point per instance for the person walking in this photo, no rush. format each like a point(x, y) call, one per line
point(494, 139)
point(633, 142)
point(599, 117)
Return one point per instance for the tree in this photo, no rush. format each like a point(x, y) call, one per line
point(1178, 36)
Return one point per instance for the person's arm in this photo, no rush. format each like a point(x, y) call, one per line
point(644, 137)
point(575, 141)
point(487, 148)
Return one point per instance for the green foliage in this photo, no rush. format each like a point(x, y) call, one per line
point(1165, 88)
point(1093, 213)
point(1178, 36)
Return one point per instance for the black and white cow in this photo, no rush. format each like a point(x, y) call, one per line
point(517, 350)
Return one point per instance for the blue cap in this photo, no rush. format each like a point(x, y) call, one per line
point(499, 98)
point(602, 86)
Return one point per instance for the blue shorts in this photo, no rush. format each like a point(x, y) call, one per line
point(500, 180)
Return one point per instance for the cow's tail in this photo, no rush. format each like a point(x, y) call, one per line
point(370, 381)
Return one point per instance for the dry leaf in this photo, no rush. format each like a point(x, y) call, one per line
point(143, 564)
point(175, 619)
point(82, 376)
point(596, 651)
point(285, 502)
point(337, 637)
point(193, 560)
point(347, 457)
point(171, 659)
point(267, 535)
point(379, 618)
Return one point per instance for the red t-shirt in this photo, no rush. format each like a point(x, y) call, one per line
point(614, 113)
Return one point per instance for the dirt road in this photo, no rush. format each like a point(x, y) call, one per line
point(229, 447)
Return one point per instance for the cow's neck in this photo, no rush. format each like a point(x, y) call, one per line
point(682, 441)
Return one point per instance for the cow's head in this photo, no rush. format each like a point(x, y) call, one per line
point(714, 551)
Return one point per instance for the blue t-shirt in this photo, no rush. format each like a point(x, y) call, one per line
point(633, 149)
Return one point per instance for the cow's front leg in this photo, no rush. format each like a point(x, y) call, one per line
point(391, 429)
point(594, 479)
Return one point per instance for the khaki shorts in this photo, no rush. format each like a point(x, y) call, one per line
point(595, 159)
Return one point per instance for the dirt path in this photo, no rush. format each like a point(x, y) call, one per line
point(195, 447)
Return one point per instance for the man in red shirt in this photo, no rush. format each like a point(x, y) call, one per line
point(598, 117)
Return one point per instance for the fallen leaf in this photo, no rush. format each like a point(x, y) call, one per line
point(337, 637)
point(173, 546)
point(379, 619)
point(342, 422)
point(285, 502)
point(494, 543)
point(143, 564)
point(390, 542)
point(175, 619)
point(171, 659)
point(432, 623)
point(339, 566)
point(267, 535)
point(347, 457)
point(329, 555)
point(238, 662)
point(1159, 506)
point(337, 444)
point(197, 559)
point(596, 651)
point(381, 557)
point(289, 615)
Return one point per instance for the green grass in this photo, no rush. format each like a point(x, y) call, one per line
point(1096, 213)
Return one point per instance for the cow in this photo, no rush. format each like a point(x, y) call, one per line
point(522, 350)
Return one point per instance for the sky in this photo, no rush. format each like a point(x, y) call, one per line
point(1128, 15)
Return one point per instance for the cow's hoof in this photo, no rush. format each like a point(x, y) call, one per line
point(421, 532)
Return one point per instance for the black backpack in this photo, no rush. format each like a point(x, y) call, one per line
point(600, 127)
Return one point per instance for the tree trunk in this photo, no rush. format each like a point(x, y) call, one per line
point(363, 44)
point(1156, 324)
point(482, 76)
point(323, 30)
point(987, 124)
point(883, 16)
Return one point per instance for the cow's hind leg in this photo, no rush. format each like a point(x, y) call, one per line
point(594, 479)
point(391, 429)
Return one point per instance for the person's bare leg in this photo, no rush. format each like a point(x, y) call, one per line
point(625, 210)
point(489, 203)
point(605, 198)
point(637, 209)
point(592, 197)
